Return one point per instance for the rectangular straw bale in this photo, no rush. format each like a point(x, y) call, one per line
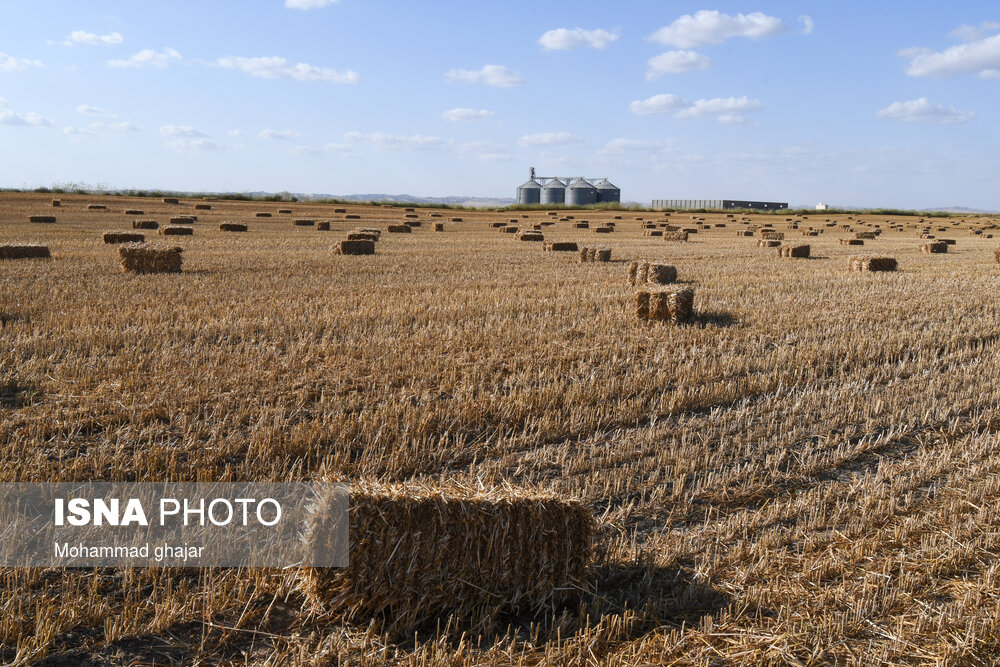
point(800, 250)
point(561, 246)
point(420, 554)
point(355, 247)
point(772, 235)
point(530, 235)
point(934, 247)
point(123, 237)
point(144, 258)
point(671, 305)
point(642, 305)
point(810, 233)
point(262, 214)
point(581, 225)
point(675, 236)
point(56, 203)
point(764, 243)
point(633, 270)
point(585, 254)
point(303, 223)
point(603, 230)
point(456, 219)
point(744, 232)
point(400, 229)
point(203, 207)
point(435, 215)
point(171, 200)
point(669, 228)
point(497, 225)
point(865, 236)
point(438, 226)
point(362, 236)
point(233, 227)
point(339, 210)
point(24, 251)
point(352, 216)
point(872, 263)
point(323, 226)
point(851, 242)
point(652, 232)
point(286, 211)
point(134, 211)
point(145, 224)
point(96, 207)
point(508, 230)
point(661, 274)
point(602, 255)
point(41, 218)
point(182, 220)
point(413, 223)
point(177, 231)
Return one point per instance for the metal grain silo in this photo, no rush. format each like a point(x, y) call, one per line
point(606, 192)
point(529, 193)
point(581, 193)
point(553, 192)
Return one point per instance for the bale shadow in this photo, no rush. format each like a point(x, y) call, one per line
point(15, 394)
point(713, 318)
point(12, 318)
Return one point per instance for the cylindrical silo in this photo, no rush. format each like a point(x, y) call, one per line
point(529, 193)
point(581, 193)
point(553, 192)
point(606, 192)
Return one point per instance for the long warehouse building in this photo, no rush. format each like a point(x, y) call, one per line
point(719, 204)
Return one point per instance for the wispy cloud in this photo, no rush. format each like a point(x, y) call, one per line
point(807, 24)
point(466, 114)
point(726, 110)
point(308, 4)
point(31, 119)
point(924, 111)
point(280, 135)
point(182, 131)
point(714, 27)
point(974, 33)
point(490, 75)
point(676, 62)
point(564, 39)
point(93, 39)
point(87, 110)
point(148, 58)
point(980, 56)
point(383, 141)
point(12, 64)
point(192, 145)
point(548, 139)
point(275, 67)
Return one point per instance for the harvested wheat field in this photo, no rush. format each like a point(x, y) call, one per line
point(805, 471)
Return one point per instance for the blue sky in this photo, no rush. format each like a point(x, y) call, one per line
point(866, 104)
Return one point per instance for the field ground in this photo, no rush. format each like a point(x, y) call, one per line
point(805, 474)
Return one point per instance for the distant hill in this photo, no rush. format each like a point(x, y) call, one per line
point(479, 202)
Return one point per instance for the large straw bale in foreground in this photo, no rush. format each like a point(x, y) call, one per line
point(872, 263)
point(143, 258)
point(672, 305)
point(419, 554)
point(23, 251)
point(801, 250)
point(355, 247)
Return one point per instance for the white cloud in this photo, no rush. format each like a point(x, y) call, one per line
point(564, 39)
point(676, 62)
point(92, 39)
point(236, 133)
point(182, 131)
point(304, 150)
point(88, 110)
point(382, 141)
point(727, 110)
point(280, 135)
point(275, 67)
point(807, 24)
point(713, 27)
point(974, 33)
point(12, 64)
point(123, 126)
point(491, 75)
point(8, 117)
point(548, 139)
point(308, 4)
point(191, 145)
point(466, 114)
point(495, 157)
point(621, 146)
point(924, 111)
point(662, 103)
point(981, 56)
point(148, 58)
point(78, 132)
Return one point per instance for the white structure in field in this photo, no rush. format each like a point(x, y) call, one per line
point(822, 207)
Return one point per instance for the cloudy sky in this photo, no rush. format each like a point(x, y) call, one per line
point(866, 104)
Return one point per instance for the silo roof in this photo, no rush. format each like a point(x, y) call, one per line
point(606, 185)
point(531, 183)
point(581, 183)
point(555, 183)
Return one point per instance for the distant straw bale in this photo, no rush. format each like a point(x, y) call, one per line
point(352, 216)
point(362, 236)
point(872, 263)
point(456, 220)
point(56, 203)
point(413, 223)
point(508, 230)
point(419, 554)
point(262, 214)
point(182, 220)
point(134, 211)
point(123, 237)
point(233, 227)
point(24, 251)
point(765, 243)
point(303, 223)
point(561, 246)
point(865, 236)
point(286, 211)
point(772, 235)
point(144, 258)
point(338, 210)
point(355, 247)
point(400, 229)
point(800, 250)
point(934, 247)
point(602, 255)
point(580, 225)
point(171, 200)
point(145, 224)
point(177, 231)
point(203, 207)
point(851, 242)
point(96, 207)
point(652, 232)
point(661, 274)
point(41, 218)
point(530, 235)
point(438, 226)
point(679, 237)
point(603, 230)
point(323, 226)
